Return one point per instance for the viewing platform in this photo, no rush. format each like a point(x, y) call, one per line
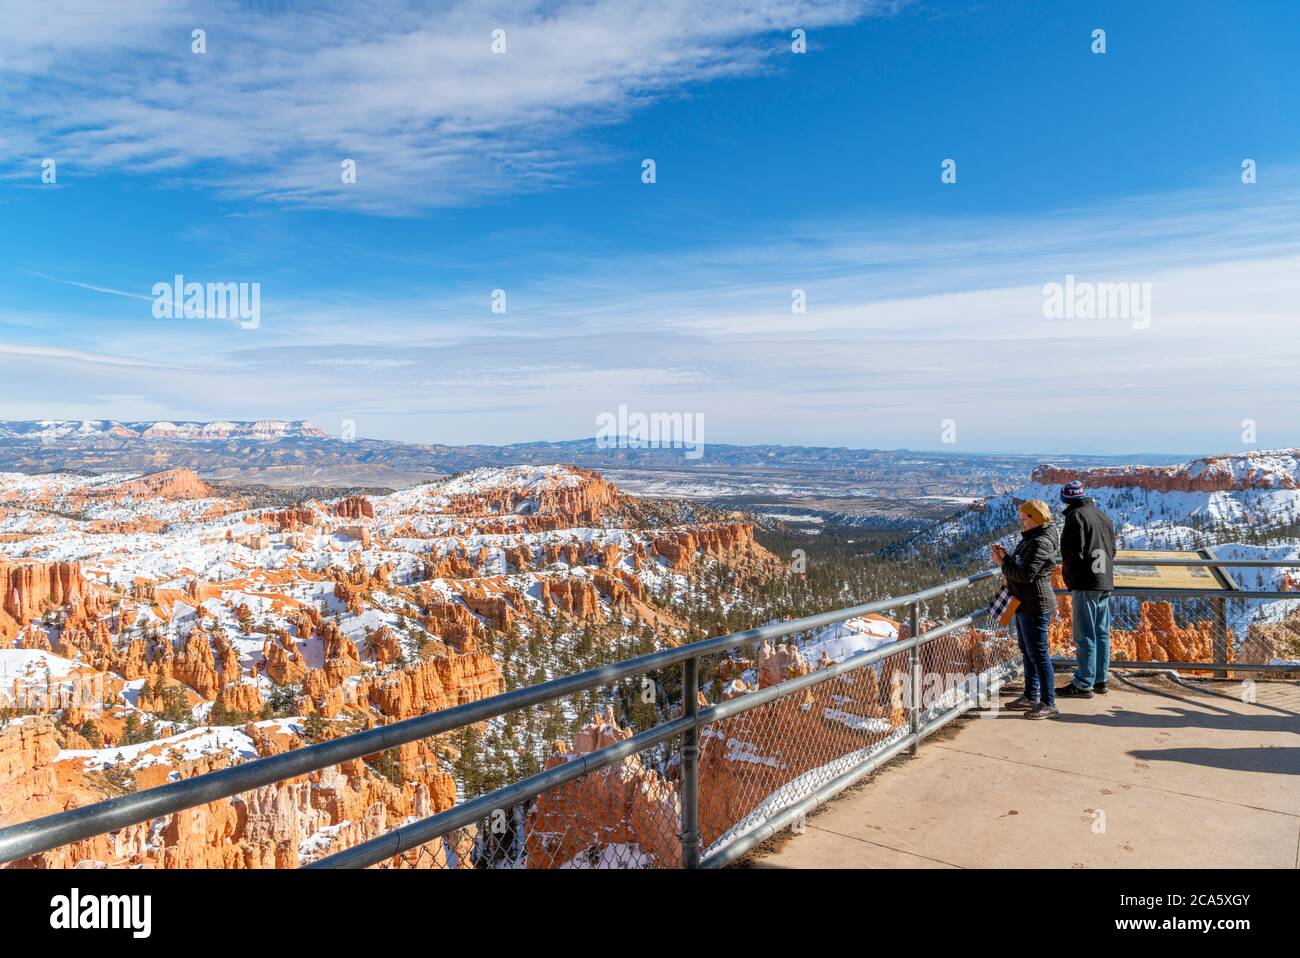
point(1157, 774)
point(1191, 760)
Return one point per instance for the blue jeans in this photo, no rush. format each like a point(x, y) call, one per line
point(1031, 632)
point(1090, 622)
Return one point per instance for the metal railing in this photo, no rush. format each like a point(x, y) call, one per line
point(44, 834)
point(1193, 606)
point(744, 767)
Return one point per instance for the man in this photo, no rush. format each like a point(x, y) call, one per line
point(1088, 565)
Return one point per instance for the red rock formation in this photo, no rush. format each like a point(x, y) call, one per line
point(352, 596)
point(452, 622)
point(736, 539)
point(282, 662)
point(623, 591)
point(353, 507)
point(169, 484)
point(775, 665)
point(289, 519)
point(383, 645)
point(359, 532)
point(434, 684)
point(195, 665)
point(1157, 637)
point(626, 808)
point(576, 597)
point(498, 608)
point(240, 698)
point(146, 524)
point(586, 501)
point(452, 566)
point(27, 783)
point(342, 659)
point(33, 588)
point(1211, 474)
point(518, 558)
point(1268, 641)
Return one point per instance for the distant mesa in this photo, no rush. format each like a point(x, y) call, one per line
point(169, 484)
point(84, 429)
point(1254, 470)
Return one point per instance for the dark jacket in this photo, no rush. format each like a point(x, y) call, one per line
point(1028, 570)
point(1087, 548)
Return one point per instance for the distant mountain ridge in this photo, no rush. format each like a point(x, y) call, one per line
point(296, 453)
point(1264, 469)
point(262, 429)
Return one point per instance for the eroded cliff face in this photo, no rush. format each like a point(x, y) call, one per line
point(33, 588)
point(682, 547)
point(212, 634)
point(277, 826)
point(575, 496)
point(353, 507)
point(1262, 470)
point(28, 785)
point(169, 484)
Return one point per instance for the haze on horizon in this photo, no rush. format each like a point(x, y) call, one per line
point(776, 172)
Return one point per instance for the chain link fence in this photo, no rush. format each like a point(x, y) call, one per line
point(612, 768)
point(1161, 628)
point(752, 765)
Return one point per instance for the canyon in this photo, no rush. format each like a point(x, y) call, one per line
point(154, 628)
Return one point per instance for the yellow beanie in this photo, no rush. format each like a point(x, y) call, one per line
point(1037, 510)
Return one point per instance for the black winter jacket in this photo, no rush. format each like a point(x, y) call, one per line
point(1028, 570)
point(1087, 548)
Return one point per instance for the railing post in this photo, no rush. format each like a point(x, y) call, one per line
point(691, 765)
point(914, 626)
point(1219, 637)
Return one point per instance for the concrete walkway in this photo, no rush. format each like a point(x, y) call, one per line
point(1168, 777)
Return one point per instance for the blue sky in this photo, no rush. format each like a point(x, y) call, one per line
point(775, 171)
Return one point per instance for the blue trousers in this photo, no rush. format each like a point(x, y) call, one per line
point(1090, 621)
point(1031, 632)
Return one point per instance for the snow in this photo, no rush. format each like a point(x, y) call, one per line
point(185, 746)
point(848, 638)
point(55, 429)
point(613, 855)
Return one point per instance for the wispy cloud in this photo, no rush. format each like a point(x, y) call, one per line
point(907, 325)
point(78, 356)
point(415, 96)
point(80, 285)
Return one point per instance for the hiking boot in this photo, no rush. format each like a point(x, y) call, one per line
point(1099, 688)
point(1042, 711)
point(1022, 704)
point(1073, 691)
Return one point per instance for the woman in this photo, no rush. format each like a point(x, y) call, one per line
point(1028, 572)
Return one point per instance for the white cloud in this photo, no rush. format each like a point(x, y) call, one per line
point(902, 331)
point(77, 356)
point(416, 97)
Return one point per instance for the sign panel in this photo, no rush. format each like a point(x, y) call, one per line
point(1164, 576)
